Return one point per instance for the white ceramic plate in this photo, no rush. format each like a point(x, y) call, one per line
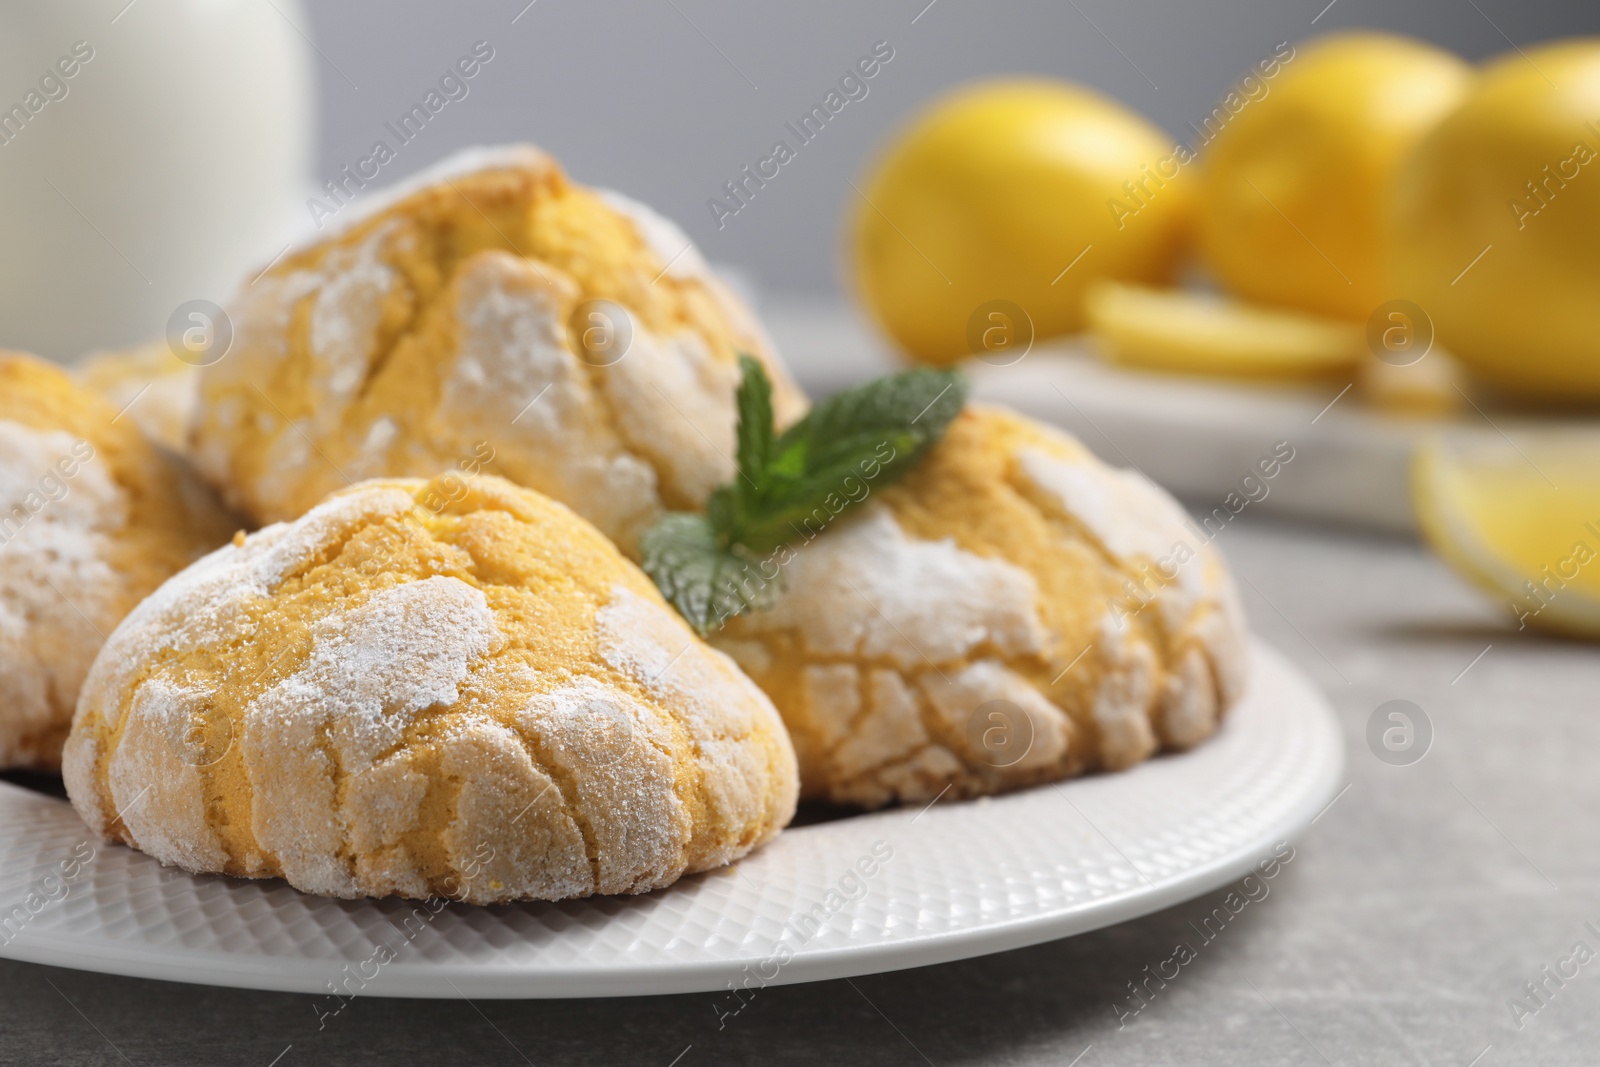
point(908, 887)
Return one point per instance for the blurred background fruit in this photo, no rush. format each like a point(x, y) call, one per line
point(1294, 183)
point(1194, 333)
point(1004, 192)
point(1431, 386)
point(1522, 521)
point(1496, 222)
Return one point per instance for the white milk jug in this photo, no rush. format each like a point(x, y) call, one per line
point(150, 153)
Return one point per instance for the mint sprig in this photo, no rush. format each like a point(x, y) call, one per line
point(791, 487)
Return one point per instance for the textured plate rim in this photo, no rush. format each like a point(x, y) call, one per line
point(491, 980)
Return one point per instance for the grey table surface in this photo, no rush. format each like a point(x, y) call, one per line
point(1403, 932)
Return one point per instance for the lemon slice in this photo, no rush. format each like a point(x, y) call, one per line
point(1522, 521)
point(1429, 387)
point(1174, 330)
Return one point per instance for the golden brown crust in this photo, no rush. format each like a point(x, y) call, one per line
point(93, 517)
point(480, 699)
point(1012, 612)
point(446, 326)
point(150, 385)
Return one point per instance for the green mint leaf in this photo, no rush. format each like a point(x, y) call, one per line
point(754, 403)
point(708, 580)
point(846, 447)
point(792, 486)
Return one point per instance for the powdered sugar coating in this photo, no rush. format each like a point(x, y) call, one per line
point(436, 325)
point(665, 237)
point(513, 369)
point(92, 517)
point(459, 164)
point(1128, 516)
point(614, 750)
point(714, 703)
point(372, 670)
point(379, 698)
point(58, 592)
point(868, 591)
point(684, 262)
point(1011, 587)
point(149, 385)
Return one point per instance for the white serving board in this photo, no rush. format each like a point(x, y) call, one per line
point(1198, 437)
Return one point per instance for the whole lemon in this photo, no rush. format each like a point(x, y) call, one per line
point(1296, 167)
point(1496, 221)
point(992, 213)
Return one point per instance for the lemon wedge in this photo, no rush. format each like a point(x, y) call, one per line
point(1190, 333)
point(1521, 521)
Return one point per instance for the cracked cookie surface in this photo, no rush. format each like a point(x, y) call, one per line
point(1014, 611)
point(475, 697)
point(158, 390)
point(93, 516)
point(456, 316)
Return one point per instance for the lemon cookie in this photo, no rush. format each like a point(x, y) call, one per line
point(1013, 611)
point(154, 388)
point(92, 518)
point(489, 307)
point(479, 699)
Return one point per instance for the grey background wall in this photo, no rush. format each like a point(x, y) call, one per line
point(667, 99)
